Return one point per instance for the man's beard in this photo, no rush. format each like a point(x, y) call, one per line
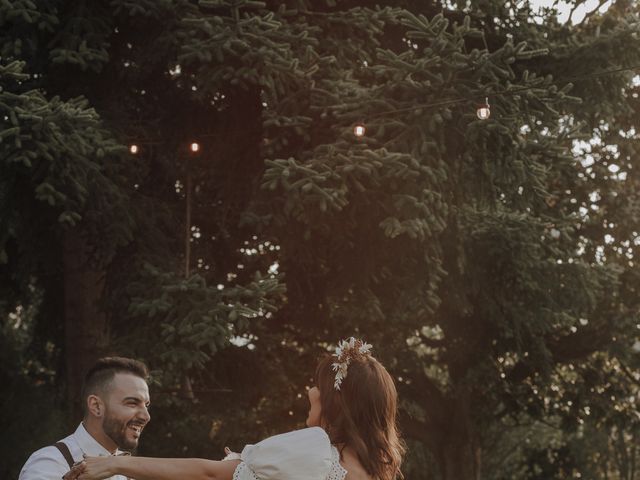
point(116, 430)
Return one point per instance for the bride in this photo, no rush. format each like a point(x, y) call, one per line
point(352, 435)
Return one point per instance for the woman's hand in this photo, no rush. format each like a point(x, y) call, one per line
point(96, 468)
point(75, 472)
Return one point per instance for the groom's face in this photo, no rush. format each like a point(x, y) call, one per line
point(126, 410)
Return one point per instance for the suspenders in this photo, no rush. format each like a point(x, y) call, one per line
point(64, 450)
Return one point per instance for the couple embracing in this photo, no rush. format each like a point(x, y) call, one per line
point(351, 434)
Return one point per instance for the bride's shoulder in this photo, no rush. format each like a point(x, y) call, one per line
point(354, 469)
point(357, 474)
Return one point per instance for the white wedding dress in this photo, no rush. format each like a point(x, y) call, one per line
point(305, 454)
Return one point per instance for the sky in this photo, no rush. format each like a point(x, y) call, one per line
point(564, 9)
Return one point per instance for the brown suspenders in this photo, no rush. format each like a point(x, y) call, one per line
point(64, 450)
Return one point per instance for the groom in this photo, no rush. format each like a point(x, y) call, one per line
point(115, 400)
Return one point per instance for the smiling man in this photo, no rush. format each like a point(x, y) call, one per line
point(115, 401)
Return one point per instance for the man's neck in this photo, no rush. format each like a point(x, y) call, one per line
point(94, 429)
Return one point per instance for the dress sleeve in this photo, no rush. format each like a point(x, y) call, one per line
point(299, 455)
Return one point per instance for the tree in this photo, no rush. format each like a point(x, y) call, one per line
point(489, 261)
point(123, 212)
point(464, 235)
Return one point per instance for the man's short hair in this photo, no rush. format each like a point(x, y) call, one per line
point(101, 374)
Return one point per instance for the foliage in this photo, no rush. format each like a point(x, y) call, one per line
point(490, 262)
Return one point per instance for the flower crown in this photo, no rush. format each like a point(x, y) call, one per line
point(345, 352)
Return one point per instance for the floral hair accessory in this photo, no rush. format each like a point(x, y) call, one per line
point(345, 352)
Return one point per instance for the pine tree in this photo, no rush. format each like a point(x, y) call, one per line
point(460, 236)
point(86, 225)
point(489, 261)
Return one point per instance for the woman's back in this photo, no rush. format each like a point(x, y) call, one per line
point(352, 466)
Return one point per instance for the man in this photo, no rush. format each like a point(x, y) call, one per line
point(115, 399)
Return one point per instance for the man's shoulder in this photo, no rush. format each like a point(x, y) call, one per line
point(47, 462)
point(43, 464)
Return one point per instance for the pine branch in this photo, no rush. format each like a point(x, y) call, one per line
point(432, 342)
point(588, 14)
point(565, 349)
point(629, 374)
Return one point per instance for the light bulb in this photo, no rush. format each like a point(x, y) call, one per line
point(133, 149)
point(359, 130)
point(484, 110)
point(194, 147)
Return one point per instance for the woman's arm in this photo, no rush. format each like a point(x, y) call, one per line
point(148, 468)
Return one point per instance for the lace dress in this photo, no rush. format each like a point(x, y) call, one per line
point(337, 471)
point(305, 454)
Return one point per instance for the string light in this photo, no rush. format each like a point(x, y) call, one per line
point(501, 93)
point(484, 111)
point(133, 149)
point(359, 130)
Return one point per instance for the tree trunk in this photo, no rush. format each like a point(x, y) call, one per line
point(459, 456)
point(85, 324)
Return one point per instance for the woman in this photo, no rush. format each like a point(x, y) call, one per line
point(352, 435)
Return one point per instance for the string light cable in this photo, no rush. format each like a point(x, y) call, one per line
point(483, 109)
point(499, 93)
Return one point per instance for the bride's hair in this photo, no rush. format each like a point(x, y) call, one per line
point(362, 414)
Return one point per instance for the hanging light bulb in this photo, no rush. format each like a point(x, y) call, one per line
point(484, 111)
point(133, 149)
point(359, 130)
point(194, 147)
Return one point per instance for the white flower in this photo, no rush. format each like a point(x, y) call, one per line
point(346, 350)
point(365, 348)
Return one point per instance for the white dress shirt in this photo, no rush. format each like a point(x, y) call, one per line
point(49, 464)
